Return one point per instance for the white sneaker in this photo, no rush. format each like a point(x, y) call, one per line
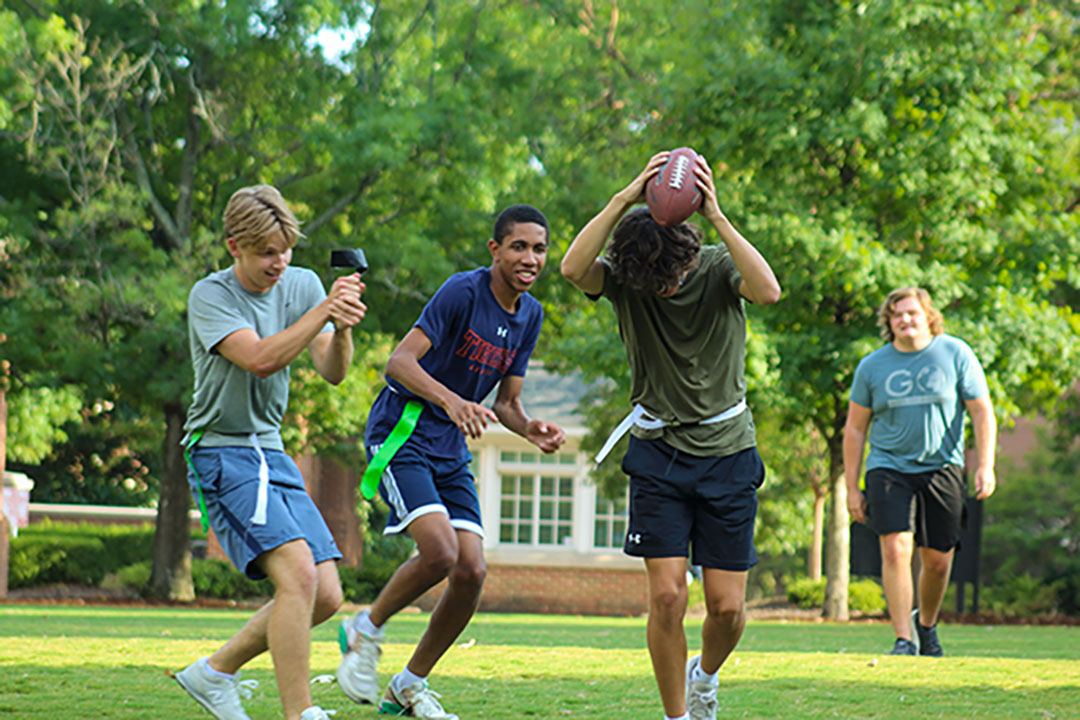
point(416, 700)
point(314, 713)
point(700, 696)
point(219, 695)
point(358, 672)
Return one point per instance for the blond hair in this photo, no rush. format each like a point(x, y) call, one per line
point(934, 318)
point(255, 212)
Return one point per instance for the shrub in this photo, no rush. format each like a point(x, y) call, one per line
point(219, 579)
point(865, 596)
point(39, 560)
point(806, 593)
point(1024, 596)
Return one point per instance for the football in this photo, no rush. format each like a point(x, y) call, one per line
point(673, 196)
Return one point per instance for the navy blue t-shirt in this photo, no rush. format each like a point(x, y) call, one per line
point(474, 344)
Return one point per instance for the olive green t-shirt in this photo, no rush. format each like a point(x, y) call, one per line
point(687, 355)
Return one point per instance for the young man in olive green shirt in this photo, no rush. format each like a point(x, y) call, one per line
point(692, 461)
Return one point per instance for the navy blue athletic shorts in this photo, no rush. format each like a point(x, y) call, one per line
point(416, 484)
point(930, 504)
point(680, 501)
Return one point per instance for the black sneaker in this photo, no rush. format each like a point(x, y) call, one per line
point(927, 643)
point(904, 647)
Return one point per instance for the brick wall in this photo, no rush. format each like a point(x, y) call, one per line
point(566, 590)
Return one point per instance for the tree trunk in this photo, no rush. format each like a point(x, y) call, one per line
point(837, 540)
point(170, 573)
point(5, 536)
point(814, 564)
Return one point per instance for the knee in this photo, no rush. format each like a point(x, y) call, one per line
point(937, 564)
point(895, 551)
point(439, 560)
point(301, 582)
point(469, 575)
point(327, 602)
point(726, 612)
point(670, 600)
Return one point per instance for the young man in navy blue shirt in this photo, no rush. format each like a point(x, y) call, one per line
point(477, 332)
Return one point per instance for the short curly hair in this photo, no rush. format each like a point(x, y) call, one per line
point(934, 318)
point(254, 212)
point(647, 256)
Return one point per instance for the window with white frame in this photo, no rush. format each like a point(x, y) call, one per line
point(609, 523)
point(536, 503)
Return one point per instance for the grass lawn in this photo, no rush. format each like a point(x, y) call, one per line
point(63, 662)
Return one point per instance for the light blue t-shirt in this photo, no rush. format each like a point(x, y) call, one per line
point(917, 400)
point(229, 402)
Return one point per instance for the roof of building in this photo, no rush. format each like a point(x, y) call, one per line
point(549, 396)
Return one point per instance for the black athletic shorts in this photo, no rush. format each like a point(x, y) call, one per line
point(679, 501)
point(932, 504)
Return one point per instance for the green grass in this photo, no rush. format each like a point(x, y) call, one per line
point(90, 662)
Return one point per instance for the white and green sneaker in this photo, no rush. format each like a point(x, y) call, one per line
point(358, 672)
point(416, 700)
point(700, 696)
point(219, 695)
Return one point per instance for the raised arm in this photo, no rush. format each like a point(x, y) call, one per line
point(985, 425)
point(546, 436)
point(404, 366)
point(858, 419)
point(759, 284)
point(263, 357)
point(581, 265)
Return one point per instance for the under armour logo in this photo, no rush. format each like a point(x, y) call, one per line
point(501, 331)
point(634, 538)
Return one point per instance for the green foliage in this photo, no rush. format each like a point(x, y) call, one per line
point(35, 419)
point(1024, 596)
point(219, 579)
point(806, 593)
point(866, 596)
point(382, 556)
point(40, 560)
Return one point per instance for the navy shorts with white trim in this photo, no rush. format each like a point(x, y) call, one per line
point(415, 484)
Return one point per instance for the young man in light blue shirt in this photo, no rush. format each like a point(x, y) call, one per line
point(916, 389)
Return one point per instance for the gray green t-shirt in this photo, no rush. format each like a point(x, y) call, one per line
point(917, 403)
point(229, 402)
point(687, 355)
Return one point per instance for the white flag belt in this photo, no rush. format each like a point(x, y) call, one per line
point(638, 416)
point(259, 517)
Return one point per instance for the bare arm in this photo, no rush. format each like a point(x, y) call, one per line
point(546, 436)
point(985, 424)
point(263, 357)
point(858, 420)
point(404, 366)
point(581, 265)
point(759, 284)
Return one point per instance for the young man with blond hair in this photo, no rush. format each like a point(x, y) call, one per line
point(911, 394)
point(246, 325)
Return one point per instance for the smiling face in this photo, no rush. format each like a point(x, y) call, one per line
point(259, 267)
point(518, 260)
point(909, 324)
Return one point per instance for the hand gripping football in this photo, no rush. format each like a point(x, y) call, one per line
point(673, 196)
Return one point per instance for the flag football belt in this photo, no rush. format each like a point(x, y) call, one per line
point(639, 416)
point(401, 432)
point(259, 516)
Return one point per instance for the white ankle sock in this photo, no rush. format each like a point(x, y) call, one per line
point(405, 678)
point(362, 623)
point(699, 675)
point(684, 716)
point(217, 673)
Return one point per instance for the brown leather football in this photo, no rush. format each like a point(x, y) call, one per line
point(673, 196)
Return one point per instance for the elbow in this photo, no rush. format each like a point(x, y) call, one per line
point(263, 370)
point(571, 273)
point(769, 295)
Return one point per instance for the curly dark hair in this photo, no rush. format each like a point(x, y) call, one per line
point(650, 257)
